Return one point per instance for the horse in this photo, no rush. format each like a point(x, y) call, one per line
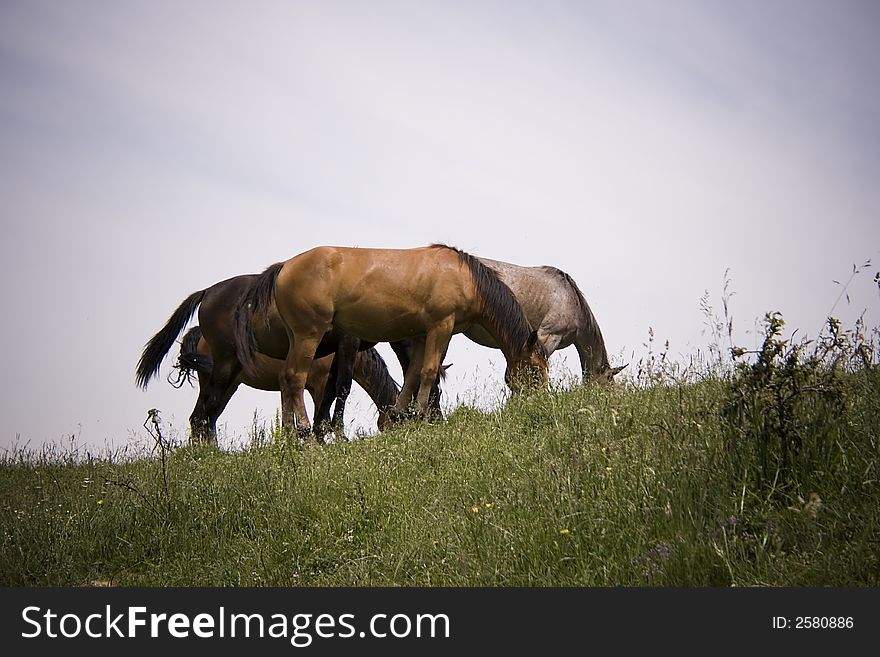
point(427, 294)
point(369, 371)
point(216, 305)
point(556, 307)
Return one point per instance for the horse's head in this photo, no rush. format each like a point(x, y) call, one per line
point(385, 420)
point(606, 376)
point(528, 368)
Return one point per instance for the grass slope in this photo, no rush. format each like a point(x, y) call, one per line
point(764, 475)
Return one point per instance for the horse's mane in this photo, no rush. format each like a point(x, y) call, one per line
point(586, 312)
point(373, 368)
point(500, 306)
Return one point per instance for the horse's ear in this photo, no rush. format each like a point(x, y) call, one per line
point(614, 371)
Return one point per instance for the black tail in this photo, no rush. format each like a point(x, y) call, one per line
point(189, 345)
point(159, 345)
point(254, 303)
point(190, 361)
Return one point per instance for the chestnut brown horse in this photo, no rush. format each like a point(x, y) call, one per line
point(216, 307)
point(380, 295)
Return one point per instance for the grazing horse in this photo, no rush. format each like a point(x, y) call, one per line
point(380, 295)
point(216, 307)
point(555, 306)
point(369, 371)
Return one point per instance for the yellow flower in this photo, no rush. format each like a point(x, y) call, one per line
point(100, 501)
point(488, 505)
point(475, 509)
point(565, 531)
point(608, 469)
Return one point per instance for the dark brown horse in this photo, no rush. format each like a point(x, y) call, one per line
point(370, 372)
point(216, 307)
point(380, 295)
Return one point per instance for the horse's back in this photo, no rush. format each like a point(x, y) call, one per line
point(217, 320)
point(375, 294)
point(340, 269)
point(549, 300)
point(347, 263)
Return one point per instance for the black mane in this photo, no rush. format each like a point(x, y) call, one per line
point(500, 306)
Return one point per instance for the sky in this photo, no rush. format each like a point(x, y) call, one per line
point(149, 149)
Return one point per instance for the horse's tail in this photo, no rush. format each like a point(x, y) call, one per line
point(190, 361)
point(189, 344)
point(254, 303)
point(159, 345)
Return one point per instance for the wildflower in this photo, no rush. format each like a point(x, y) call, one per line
point(651, 562)
point(99, 502)
point(565, 531)
point(810, 508)
point(608, 468)
point(488, 505)
point(475, 509)
point(662, 550)
point(814, 506)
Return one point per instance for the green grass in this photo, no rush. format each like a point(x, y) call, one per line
point(730, 476)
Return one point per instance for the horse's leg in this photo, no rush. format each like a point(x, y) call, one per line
point(403, 349)
point(293, 379)
point(216, 408)
point(586, 355)
point(200, 428)
point(221, 385)
point(325, 401)
point(203, 420)
point(435, 346)
point(410, 379)
point(434, 410)
point(346, 353)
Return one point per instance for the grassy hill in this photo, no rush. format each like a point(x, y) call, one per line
point(762, 471)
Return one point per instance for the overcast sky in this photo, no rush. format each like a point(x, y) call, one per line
point(149, 149)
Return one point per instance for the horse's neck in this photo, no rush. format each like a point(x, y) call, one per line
point(375, 380)
point(599, 361)
point(590, 343)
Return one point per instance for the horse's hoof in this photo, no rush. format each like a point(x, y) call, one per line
point(396, 416)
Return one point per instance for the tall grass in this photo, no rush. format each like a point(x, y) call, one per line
point(734, 469)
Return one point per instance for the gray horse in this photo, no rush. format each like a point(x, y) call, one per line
point(554, 306)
